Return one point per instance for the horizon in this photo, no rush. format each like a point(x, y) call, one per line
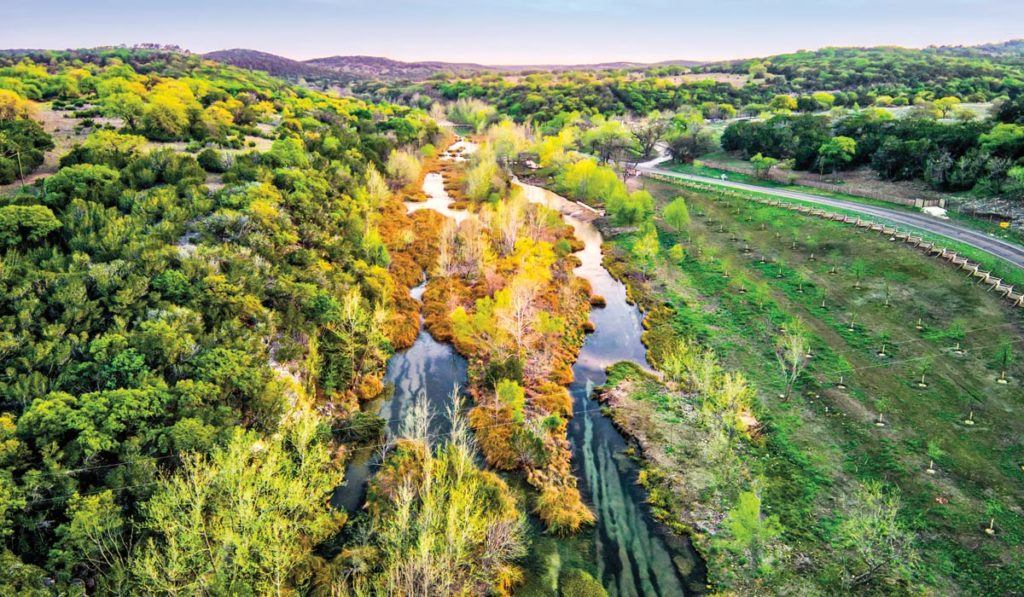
point(500, 33)
point(140, 44)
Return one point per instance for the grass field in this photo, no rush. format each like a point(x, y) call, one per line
point(1000, 268)
point(989, 227)
point(737, 287)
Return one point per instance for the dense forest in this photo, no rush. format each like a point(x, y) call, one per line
point(852, 76)
point(981, 156)
point(182, 331)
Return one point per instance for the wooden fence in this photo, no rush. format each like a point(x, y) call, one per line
point(1014, 297)
point(824, 186)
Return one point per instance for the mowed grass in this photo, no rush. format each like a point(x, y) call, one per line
point(758, 275)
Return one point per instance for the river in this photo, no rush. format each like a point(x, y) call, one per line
point(626, 549)
point(632, 554)
point(428, 368)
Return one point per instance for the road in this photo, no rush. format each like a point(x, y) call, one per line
point(1008, 252)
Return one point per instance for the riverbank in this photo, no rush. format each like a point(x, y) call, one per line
point(610, 477)
point(853, 420)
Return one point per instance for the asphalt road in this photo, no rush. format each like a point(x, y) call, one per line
point(1009, 252)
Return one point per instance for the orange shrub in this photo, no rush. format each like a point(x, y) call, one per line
point(370, 387)
point(553, 399)
point(494, 434)
point(562, 509)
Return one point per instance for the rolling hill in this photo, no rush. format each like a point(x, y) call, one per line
point(347, 68)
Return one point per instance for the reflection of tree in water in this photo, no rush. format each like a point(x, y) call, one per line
point(430, 368)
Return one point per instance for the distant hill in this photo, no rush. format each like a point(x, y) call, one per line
point(347, 68)
point(272, 64)
point(1013, 48)
point(372, 66)
point(375, 67)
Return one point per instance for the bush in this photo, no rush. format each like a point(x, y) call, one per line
point(562, 509)
point(8, 171)
point(579, 583)
point(510, 369)
point(211, 160)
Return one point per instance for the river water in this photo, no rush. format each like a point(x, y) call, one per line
point(626, 549)
point(427, 368)
point(632, 554)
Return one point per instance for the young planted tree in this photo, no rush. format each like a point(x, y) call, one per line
point(677, 215)
point(924, 366)
point(1004, 359)
point(791, 349)
point(876, 547)
point(859, 269)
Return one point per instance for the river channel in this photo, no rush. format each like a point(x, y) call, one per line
point(626, 549)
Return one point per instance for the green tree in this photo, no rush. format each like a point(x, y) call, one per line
point(510, 394)
point(243, 520)
point(645, 248)
point(792, 350)
point(836, 153)
point(677, 215)
point(99, 184)
point(649, 132)
point(23, 146)
point(946, 105)
point(21, 224)
point(437, 524)
point(94, 539)
point(824, 99)
point(876, 547)
point(763, 165)
point(690, 145)
point(749, 533)
point(608, 140)
point(1006, 140)
point(783, 103)
point(632, 209)
point(403, 167)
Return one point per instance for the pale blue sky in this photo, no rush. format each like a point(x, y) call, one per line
point(510, 31)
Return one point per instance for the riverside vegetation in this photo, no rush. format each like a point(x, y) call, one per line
point(201, 295)
point(184, 322)
point(815, 421)
point(796, 453)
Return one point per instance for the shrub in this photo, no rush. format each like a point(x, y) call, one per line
point(562, 509)
point(579, 583)
point(210, 160)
